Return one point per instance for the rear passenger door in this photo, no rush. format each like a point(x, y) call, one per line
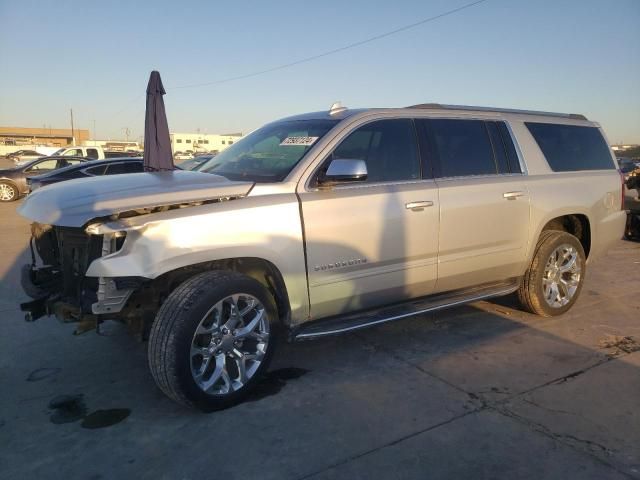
point(484, 204)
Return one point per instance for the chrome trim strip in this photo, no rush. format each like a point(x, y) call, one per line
point(470, 299)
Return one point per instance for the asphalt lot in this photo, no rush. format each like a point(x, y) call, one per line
point(482, 391)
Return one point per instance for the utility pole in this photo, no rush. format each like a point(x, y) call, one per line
point(127, 132)
point(73, 135)
point(95, 135)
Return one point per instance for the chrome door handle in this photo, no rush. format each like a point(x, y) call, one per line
point(512, 195)
point(418, 205)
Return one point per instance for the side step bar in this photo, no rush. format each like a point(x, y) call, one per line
point(389, 313)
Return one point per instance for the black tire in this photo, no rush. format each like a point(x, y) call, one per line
point(11, 187)
point(632, 227)
point(174, 327)
point(530, 292)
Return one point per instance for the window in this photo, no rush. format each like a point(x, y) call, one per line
point(387, 146)
point(569, 148)
point(223, 142)
point(98, 170)
point(45, 165)
point(463, 148)
point(122, 167)
point(206, 142)
point(230, 142)
point(269, 153)
point(188, 141)
point(62, 163)
point(74, 152)
point(178, 140)
point(92, 153)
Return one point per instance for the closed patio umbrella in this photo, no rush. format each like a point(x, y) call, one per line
point(157, 144)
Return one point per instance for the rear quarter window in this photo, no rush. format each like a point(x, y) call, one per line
point(570, 148)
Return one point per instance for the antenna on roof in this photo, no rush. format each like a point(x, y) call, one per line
point(336, 108)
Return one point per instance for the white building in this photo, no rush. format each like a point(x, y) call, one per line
point(113, 145)
point(202, 142)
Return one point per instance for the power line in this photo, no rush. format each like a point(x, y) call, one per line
point(318, 56)
point(335, 50)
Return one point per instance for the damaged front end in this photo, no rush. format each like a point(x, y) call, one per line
point(59, 285)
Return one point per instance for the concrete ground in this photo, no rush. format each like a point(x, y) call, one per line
point(481, 391)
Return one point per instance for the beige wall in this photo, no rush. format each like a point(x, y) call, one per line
point(42, 136)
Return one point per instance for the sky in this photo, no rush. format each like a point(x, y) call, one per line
point(577, 56)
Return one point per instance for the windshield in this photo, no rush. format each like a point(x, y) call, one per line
point(269, 153)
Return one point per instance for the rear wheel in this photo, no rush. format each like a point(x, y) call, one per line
point(555, 277)
point(212, 340)
point(8, 192)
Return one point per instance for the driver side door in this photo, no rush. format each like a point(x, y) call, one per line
point(374, 242)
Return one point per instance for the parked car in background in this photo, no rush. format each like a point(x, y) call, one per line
point(113, 166)
point(93, 153)
point(13, 181)
point(24, 155)
point(195, 163)
point(181, 156)
point(627, 165)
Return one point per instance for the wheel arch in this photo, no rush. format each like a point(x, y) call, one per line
point(260, 269)
point(577, 224)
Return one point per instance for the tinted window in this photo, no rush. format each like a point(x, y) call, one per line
point(129, 167)
point(387, 146)
point(92, 153)
point(463, 148)
point(499, 152)
point(570, 147)
point(98, 170)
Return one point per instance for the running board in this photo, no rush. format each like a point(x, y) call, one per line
point(389, 313)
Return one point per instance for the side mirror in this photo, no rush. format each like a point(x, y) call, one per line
point(343, 170)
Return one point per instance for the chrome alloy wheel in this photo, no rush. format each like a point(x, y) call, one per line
point(562, 275)
point(229, 344)
point(7, 192)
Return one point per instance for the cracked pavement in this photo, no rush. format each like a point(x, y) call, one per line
point(480, 391)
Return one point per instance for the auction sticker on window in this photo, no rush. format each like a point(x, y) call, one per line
point(306, 141)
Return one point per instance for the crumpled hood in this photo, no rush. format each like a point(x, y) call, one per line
point(73, 203)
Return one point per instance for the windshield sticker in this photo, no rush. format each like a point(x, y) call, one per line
point(306, 141)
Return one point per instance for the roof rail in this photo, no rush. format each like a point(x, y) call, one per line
point(439, 106)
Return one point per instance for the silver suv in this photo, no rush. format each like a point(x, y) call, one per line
point(324, 223)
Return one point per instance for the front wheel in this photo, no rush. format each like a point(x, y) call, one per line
point(555, 277)
point(212, 339)
point(8, 192)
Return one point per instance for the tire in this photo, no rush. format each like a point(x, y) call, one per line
point(8, 192)
point(536, 292)
point(193, 307)
point(632, 227)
